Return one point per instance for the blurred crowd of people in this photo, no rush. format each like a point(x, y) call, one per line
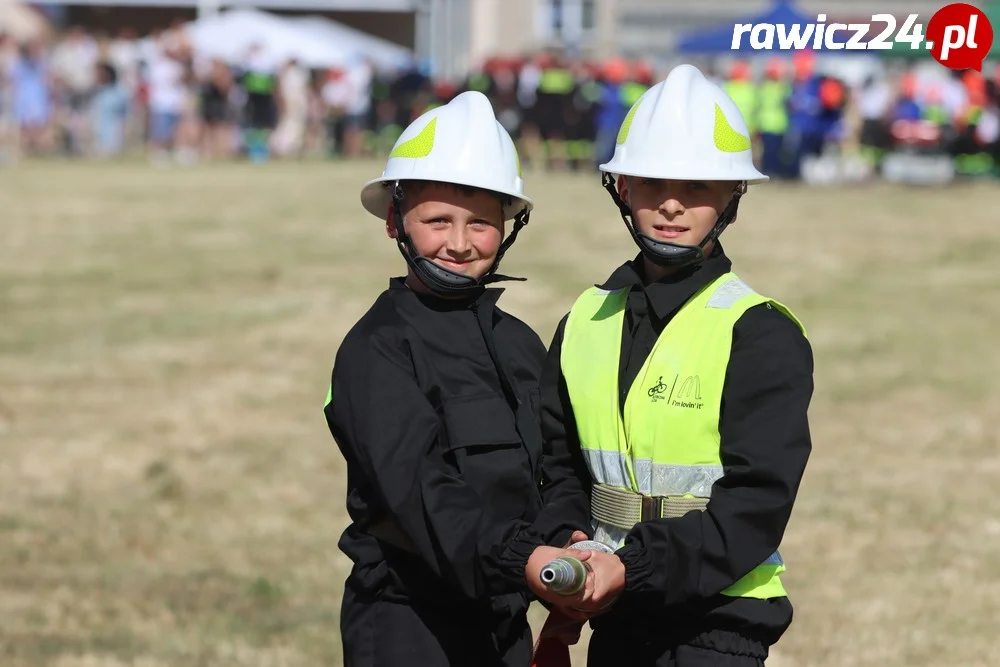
point(101, 96)
point(796, 112)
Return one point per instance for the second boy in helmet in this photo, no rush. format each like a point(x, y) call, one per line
point(684, 393)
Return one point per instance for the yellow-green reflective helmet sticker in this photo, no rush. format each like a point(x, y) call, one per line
point(329, 396)
point(627, 123)
point(726, 138)
point(418, 146)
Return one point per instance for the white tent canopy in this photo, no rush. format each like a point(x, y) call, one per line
point(314, 41)
point(21, 21)
point(384, 54)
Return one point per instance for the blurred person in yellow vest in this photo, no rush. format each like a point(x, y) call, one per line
point(975, 90)
point(481, 81)
point(988, 129)
point(772, 118)
point(580, 115)
point(259, 79)
point(972, 154)
point(741, 90)
point(336, 92)
point(554, 96)
point(680, 394)
point(934, 110)
point(529, 135)
point(618, 94)
point(635, 85)
point(642, 72)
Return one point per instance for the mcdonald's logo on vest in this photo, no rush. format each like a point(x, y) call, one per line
point(691, 388)
point(688, 394)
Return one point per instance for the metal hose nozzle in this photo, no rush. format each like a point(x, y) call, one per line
point(565, 575)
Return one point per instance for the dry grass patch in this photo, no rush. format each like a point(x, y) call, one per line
point(169, 494)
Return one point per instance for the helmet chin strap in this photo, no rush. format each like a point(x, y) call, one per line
point(674, 255)
point(439, 280)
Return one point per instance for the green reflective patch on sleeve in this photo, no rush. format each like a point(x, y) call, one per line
point(329, 396)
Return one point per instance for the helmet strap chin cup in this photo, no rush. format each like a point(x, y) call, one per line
point(439, 280)
point(673, 255)
point(669, 254)
point(444, 281)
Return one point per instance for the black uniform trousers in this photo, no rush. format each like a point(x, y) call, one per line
point(424, 636)
point(607, 648)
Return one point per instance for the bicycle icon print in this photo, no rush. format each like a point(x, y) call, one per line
point(658, 388)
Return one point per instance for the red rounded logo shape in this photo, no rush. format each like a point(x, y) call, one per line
point(959, 36)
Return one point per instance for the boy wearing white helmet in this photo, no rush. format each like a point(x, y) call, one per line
point(433, 402)
point(684, 394)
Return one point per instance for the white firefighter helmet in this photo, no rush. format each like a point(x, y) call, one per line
point(460, 142)
point(685, 128)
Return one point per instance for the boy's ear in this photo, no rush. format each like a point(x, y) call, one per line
point(623, 188)
point(735, 185)
point(390, 224)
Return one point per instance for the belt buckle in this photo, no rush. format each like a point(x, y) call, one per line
point(650, 508)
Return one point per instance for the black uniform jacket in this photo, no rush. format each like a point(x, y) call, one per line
point(676, 568)
point(444, 453)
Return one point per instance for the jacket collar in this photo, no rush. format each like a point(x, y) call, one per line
point(668, 294)
point(485, 299)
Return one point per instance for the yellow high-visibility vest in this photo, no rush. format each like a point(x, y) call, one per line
point(744, 94)
point(556, 81)
point(668, 443)
point(772, 112)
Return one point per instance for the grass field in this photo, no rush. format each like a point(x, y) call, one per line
point(170, 495)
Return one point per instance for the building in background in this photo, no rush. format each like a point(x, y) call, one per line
point(651, 28)
point(604, 28)
point(453, 36)
point(395, 20)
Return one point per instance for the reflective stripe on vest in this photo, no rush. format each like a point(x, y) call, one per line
point(668, 442)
